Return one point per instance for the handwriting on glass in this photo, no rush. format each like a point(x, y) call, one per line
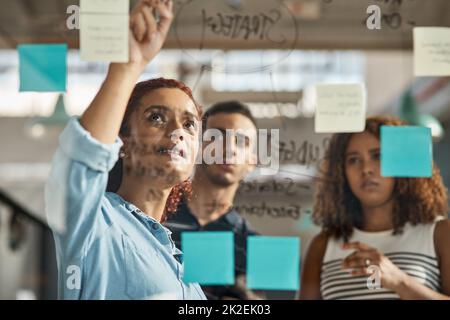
point(241, 26)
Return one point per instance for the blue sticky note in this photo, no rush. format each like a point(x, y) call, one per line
point(208, 257)
point(273, 263)
point(43, 67)
point(406, 151)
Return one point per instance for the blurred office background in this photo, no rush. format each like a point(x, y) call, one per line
point(312, 41)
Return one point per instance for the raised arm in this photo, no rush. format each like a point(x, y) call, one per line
point(89, 148)
point(103, 117)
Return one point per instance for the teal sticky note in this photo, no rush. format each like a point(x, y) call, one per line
point(43, 67)
point(406, 151)
point(273, 263)
point(208, 257)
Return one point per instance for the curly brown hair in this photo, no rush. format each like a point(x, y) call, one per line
point(179, 193)
point(338, 211)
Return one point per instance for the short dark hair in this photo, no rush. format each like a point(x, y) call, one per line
point(232, 106)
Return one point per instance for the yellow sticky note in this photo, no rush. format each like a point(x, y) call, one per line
point(340, 108)
point(105, 6)
point(104, 37)
point(431, 51)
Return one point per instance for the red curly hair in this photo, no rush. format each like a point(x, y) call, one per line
point(338, 211)
point(179, 192)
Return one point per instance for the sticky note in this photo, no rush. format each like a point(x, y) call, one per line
point(104, 30)
point(431, 51)
point(43, 67)
point(273, 263)
point(208, 257)
point(104, 37)
point(105, 6)
point(340, 108)
point(406, 151)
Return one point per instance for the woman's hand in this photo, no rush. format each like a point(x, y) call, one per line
point(364, 257)
point(105, 114)
point(147, 34)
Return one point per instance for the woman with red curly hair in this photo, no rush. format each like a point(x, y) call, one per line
point(140, 145)
point(382, 238)
point(112, 245)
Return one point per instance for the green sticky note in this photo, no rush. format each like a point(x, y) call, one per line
point(43, 67)
point(406, 151)
point(273, 263)
point(208, 257)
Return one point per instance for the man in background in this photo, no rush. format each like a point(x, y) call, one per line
point(214, 187)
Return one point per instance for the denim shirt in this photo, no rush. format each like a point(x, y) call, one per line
point(107, 248)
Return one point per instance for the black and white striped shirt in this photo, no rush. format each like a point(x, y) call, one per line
point(412, 251)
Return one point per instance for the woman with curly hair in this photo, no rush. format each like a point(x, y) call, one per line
point(382, 238)
point(114, 245)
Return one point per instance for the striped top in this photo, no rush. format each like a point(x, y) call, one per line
point(412, 251)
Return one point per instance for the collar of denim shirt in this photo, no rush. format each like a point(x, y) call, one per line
point(150, 221)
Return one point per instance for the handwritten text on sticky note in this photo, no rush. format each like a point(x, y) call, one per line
point(431, 51)
point(340, 108)
point(104, 37)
